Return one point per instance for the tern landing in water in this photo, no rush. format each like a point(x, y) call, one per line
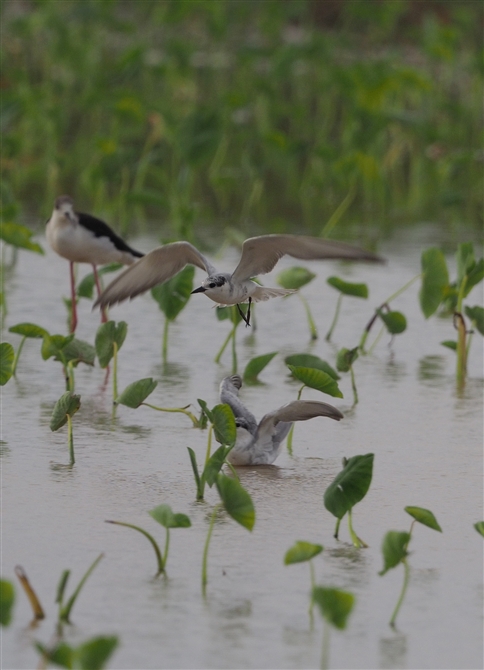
point(259, 256)
point(81, 238)
point(260, 444)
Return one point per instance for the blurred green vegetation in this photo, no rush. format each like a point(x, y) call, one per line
point(244, 113)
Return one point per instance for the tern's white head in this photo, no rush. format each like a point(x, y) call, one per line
point(214, 287)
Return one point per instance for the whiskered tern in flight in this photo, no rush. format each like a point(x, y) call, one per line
point(259, 256)
point(261, 443)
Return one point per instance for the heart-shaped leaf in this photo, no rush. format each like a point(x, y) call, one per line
point(28, 330)
point(236, 500)
point(67, 405)
point(346, 358)
point(173, 295)
point(94, 654)
point(424, 516)
point(214, 464)
point(255, 366)
point(302, 551)
point(224, 425)
point(165, 516)
point(350, 485)
point(137, 392)
point(107, 335)
point(394, 549)
point(316, 379)
point(311, 361)
point(395, 322)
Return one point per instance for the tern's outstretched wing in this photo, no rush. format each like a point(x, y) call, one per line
point(260, 254)
point(297, 410)
point(155, 268)
point(229, 392)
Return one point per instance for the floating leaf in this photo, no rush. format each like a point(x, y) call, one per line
point(19, 236)
point(394, 549)
point(476, 315)
point(435, 280)
point(173, 295)
point(479, 526)
point(348, 288)
point(236, 500)
point(350, 485)
point(137, 392)
point(224, 425)
point(85, 288)
point(311, 361)
point(94, 654)
point(107, 335)
point(28, 330)
point(335, 605)
point(295, 278)
point(164, 515)
point(345, 359)
point(450, 344)
point(424, 516)
point(316, 379)
point(7, 598)
point(67, 405)
point(395, 322)
point(302, 551)
point(7, 357)
point(255, 366)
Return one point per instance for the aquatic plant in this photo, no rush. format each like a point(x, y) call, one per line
point(479, 526)
point(64, 409)
point(315, 378)
point(172, 297)
point(135, 394)
point(26, 330)
point(335, 607)
point(19, 237)
point(347, 489)
point(232, 313)
point(7, 362)
point(344, 363)
point(301, 552)
point(344, 288)
point(7, 600)
point(296, 278)
point(64, 610)
point(90, 655)
point(437, 290)
point(70, 352)
point(109, 340)
point(255, 366)
point(34, 601)
point(395, 545)
point(238, 504)
point(222, 425)
point(164, 515)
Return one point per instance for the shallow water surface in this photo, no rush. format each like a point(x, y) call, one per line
point(427, 438)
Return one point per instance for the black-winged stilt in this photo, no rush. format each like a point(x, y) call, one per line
point(82, 238)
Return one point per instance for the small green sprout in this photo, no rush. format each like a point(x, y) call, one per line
point(26, 330)
point(109, 340)
point(64, 409)
point(347, 489)
point(395, 545)
point(70, 352)
point(65, 609)
point(301, 552)
point(238, 504)
point(335, 607)
point(344, 363)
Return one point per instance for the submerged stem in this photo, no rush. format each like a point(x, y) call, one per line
point(402, 593)
point(159, 557)
point(335, 318)
point(17, 355)
point(70, 440)
point(167, 546)
point(353, 386)
point(313, 584)
point(164, 348)
point(312, 326)
point(205, 550)
point(291, 431)
point(357, 541)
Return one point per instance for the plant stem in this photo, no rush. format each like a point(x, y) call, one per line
point(234, 350)
point(167, 546)
point(17, 355)
point(182, 410)
point(335, 318)
point(209, 444)
point(402, 593)
point(31, 595)
point(312, 326)
point(376, 340)
point(357, 542)
point(353, 386)
point(402, 289)
point(164, 349)
point(205, 550)
point(224, 346)
point(325, 651)
point(229, 464)
point(336, 530)
point(313, 584)
point(70, 440)
point(159, 557)
point(115, 371)
point(291, 432)
point(65, 612)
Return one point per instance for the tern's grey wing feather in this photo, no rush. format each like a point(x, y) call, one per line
point(155, 268)
point(297, 410)
point(260, 254)
point(229, 394)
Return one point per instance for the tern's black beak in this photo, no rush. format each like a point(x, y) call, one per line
point(201, 289)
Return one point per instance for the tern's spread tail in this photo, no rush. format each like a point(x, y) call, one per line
point(263, 293)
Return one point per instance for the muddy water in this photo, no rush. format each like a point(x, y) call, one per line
point(428, 443)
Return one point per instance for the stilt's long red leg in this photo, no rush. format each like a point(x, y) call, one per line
point(73, 299)
point(104, 317)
